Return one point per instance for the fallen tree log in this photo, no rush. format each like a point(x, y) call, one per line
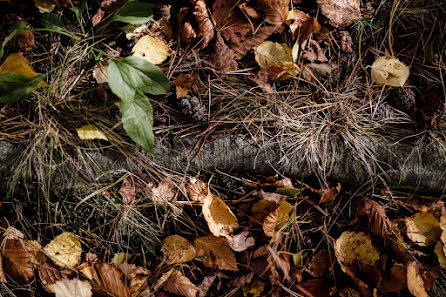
point(421, 167)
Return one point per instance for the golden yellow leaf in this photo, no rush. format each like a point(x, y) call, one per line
point(440, 254)
point(178, 284)
point(215, 252)
point(220, 219)
point(177, 249)
point(415, 282)
point(389, 71)
point(151, 49)
point(45, 5)
point(276, 56)
point(16, 63)
point(119, 258)
point(71, 288)
point(64, 250)
point(89, 132)
point(254, 288)
point(423, 228)
point(354, 246)
point(277, 218)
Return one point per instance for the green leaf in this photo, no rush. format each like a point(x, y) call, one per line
point(17, 29)
point(15, 87)
point(137, 119)
point(52, 21)
point(134, 13)
point(134, 73)
point(290, 192)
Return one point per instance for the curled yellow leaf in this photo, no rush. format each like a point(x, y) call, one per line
point(389, 71)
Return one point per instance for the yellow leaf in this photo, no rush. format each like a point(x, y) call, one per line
point(276, 56)
point(215, 252)
point(16, 63)
point(254, 288)
point(276, 218)
point(65, 250)
point(89, 132)
point(71, 288)
point(440, 254)
point(45, 5)
point(220, 219)
point(119, 258)
point(177, 249)
point(353, 246)
point(151, 49)
point(423, 228)
point(389, 71)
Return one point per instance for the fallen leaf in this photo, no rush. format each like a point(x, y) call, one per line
point(275, 11)
point(221, 220)
point(415, 282)
point(241, 241)
point(443, 233)
point(254, 288)
point(135, 31)
point(313, 51)
point(302, 25)
point(278, 55)
point(127, 268)
point(204, 286)
point(241, 280)
point(133, 185)
point(164, 192)
point(139, 281)
point(340, 13)
point(89, 132)
point(245, 44)
point(223, 58)
point(389, 71)
point(100, 72)
point(263, 79)
point(423, 228)
point(177, 249)
point(106, 279)
point(49, 275)
point(64, 250)
point(151, 49)
point(379, 223)
point(215, 252)
point(205, 25)
point(231, 23)
point(346, 42)
point(441, 256)
point(366, 277)
point(315, 71)
point(273, 197)
point(120, 258)
point(17, 64)
point(45, 5)
point(2, 273)
point(394, 280)
point(71, 288)
point(18, 259)
point(178, 284)
point(250, 11)
point(197, 190)
point(13, 233)
point(320, 264)
point(352, 246)
point(329, 194)
point(184, 83)
point(276, 218)
point(187, 33)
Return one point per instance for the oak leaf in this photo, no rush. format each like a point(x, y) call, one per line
point(221, 220)
point(215, 252)
point(340, 13)
point(177, 249)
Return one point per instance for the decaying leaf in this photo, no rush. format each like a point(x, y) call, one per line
point(319, 264)
point(184, 83)
point(223, 58)
point(415, 282)
point(221, 220)
point(395, 279)
point(178, 284)
point(177, 249)
point(100, 72)
point(313, 52)
point(329, 194)
point(389, 71)
point(275, 11)
point(346, 42)
point(50, 274)
point(315, 71)
point(365, 276)
point(273, 53)
point(151, 49)
point(89, 132)
point(204, 286)
point(106, 278)
point(353, 246)
point(45, 5)
point(340, 13)
point(215, 252)
point(379, 223)
point(64, 250)
point(18, 259)
point(135, 184)
point(254, 288)
point(302, 25)
point(443, 233)
point(17, 64)
point(187, 33)
point(197, 190)
point(71, 288)
point(242, 241)
point(423, 228)
point(316, 287)
point(245, 45)
point(276, 218)
point(164, 192)
point(273, 197)
point(205, 25)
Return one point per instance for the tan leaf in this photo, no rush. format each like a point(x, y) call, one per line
point(184, 83)
point(127, 268)
point(389, 71)
point(135, 31)
point(133, 185)
point(138, 281)
point(187, 33)
point(395, 280)
point(64, 250)
point(164, 192)
point(13, 233)
point(241, 241)
point(2, 273)
point(205, 25)
point(197, 190)
point(263, 79)
point(315, 71)
point(215, 252)
point(346, 42)
point(178, 284)
point(340, 13)
point(223, 58)
point(330, 194)
point(353, 246)
point(18, 260)
point(276, 218)
point(275, 11)
point(100, 72)
point(415, 282)
point(177, 249)
point(221, 221)
point(277, 57)
point(106, 279)
point(423, 228)
point(120, 258)
point(231, 23)
point(89, 132)
point(71, 288)
point(302, 25)
point(250, 11)
point(151, 49)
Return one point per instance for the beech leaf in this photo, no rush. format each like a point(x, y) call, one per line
point(177, 249)
point(221, 220)
point(64, 250)
point(215, 252)
point(423, 228)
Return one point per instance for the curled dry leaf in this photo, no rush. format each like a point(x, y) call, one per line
point(275, 11)
point(241, 241)
point(106, 279)
point(423, 228)
point(340, 13)
point(177, 249)
point(277, 57)
point(415, 282)
point(223, 58)
point(302, 25)
point(178, 284)
point(205, 25)
point(187, 33)
point(164, 192)
point(89, 132)
point(330, 194)
point(221, 220)
point(151, 49)
point(389, 71)
point(18, 260)
point(353, 246)
point(313, 51)
point(64, 250)
point(276, 218)
point(71, 288)
point(346, 42)
point(394, 280)
point(49, 274)
point(215, 252)
point(197, 190)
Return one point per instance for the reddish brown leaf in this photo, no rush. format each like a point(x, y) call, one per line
point(18, 260)
point(316, 287)
point(223, 58)
point(205, 25)
point(302, 25)
point(249, 41)
point(275, 11)
point(379, 223)
point(231, 23)
point(330, 194)
point(395, 279)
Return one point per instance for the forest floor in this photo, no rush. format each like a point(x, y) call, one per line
point(88, 76)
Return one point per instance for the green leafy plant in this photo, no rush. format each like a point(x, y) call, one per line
point(134, 13)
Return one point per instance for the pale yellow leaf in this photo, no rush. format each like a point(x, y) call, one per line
point(354, 246)
point(64, 250)
point(16, 63)
point(277, 218)
point(439, 251)
point(415, 282)
point(177, 249)
point(220, 219)
point(215, 252)
point(119, 258)
point(89, 132)
point(389, 71)
point(178, 284)
point(71, 288)
point(45, 5)
point(151, 49)
point(423, 228)
point(277, 57)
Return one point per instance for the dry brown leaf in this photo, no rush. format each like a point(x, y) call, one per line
point(365, 276)
point(18, 260)
point(187, 33)
point(49, 274)
point(346, 42)
point(316, 287)
point(379, 223)
point(184, 83)
point(415, 282)
point(178, 284)
point(197, 190)
point(177, 249)
point(71, 288)
point(254, 288)
point(275, 11)
point(246, 43)
point(133, 185)
point(231, 23)
point(319, 264)
point(395, 279)
point(205, 25)
point(340, 13)
point(241, 280)
point(302, 25)
point(221, 220)
point(315, 71)
point(273, 197)
point(223, 58)
point(2, 273)
point(215, 252)
point(276, 218)
point(139, 281)
point(106, 278)
point(127, 268)
point(250, 11)
point(330, 194)
point(164, 192)
point(204, 286)
point(278, 262)
point(313, 51)
point(423, 228)
point(242, 241)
